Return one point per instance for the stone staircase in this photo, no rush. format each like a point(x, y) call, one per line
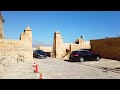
point(66, 56)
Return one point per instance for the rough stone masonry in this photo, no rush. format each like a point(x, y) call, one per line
point(1, 27)
point(17, 50)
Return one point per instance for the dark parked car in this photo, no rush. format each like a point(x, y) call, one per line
point(47, 54)
point(39, 54)
point(83, 55)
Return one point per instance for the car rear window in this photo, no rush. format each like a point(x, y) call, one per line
point(40, 51)
point(84, 52)
point(74, 52)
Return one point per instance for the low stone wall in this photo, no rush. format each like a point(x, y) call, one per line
point(86, 43)
point(61, 51)
point(45, 48)
point(26, 54)
point(14, 48)
point(78, 47)
point(74, 47)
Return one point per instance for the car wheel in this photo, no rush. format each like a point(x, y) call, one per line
point(81, 59)
point(97, 58)
point(44, 57)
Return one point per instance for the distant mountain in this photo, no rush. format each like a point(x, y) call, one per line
point(37, 43)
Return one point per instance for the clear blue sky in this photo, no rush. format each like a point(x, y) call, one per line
point(71, 24)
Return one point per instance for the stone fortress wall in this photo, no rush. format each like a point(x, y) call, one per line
point(107, 47)
point(15, 51)
point(63, 50)
point(17, 48)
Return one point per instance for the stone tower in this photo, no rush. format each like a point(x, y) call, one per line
point(27, 34)
point(58, 41)
point(1, 26)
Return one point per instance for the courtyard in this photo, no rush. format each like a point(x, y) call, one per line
point(52, 68)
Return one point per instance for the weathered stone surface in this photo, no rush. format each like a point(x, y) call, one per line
point(107, 48)
point(14, 48)
point(21, 70)
point(1, 27)
point(15, 51)
point(45, 48)
point(63, 50)
point(5, 63)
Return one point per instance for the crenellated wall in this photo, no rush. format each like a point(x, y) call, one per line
point(78, 47)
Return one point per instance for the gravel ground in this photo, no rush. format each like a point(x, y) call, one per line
point(20, 71)
point(52, 68)
point(59, 69)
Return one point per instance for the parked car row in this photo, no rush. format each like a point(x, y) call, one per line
point(78, 55)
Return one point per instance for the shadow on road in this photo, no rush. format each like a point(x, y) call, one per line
point(116, 70)
point(70, 60)
point(77, 61)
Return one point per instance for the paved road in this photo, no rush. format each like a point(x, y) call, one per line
point(59, 69)
point(20, 71)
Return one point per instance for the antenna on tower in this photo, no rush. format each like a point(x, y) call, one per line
point(82, 36)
